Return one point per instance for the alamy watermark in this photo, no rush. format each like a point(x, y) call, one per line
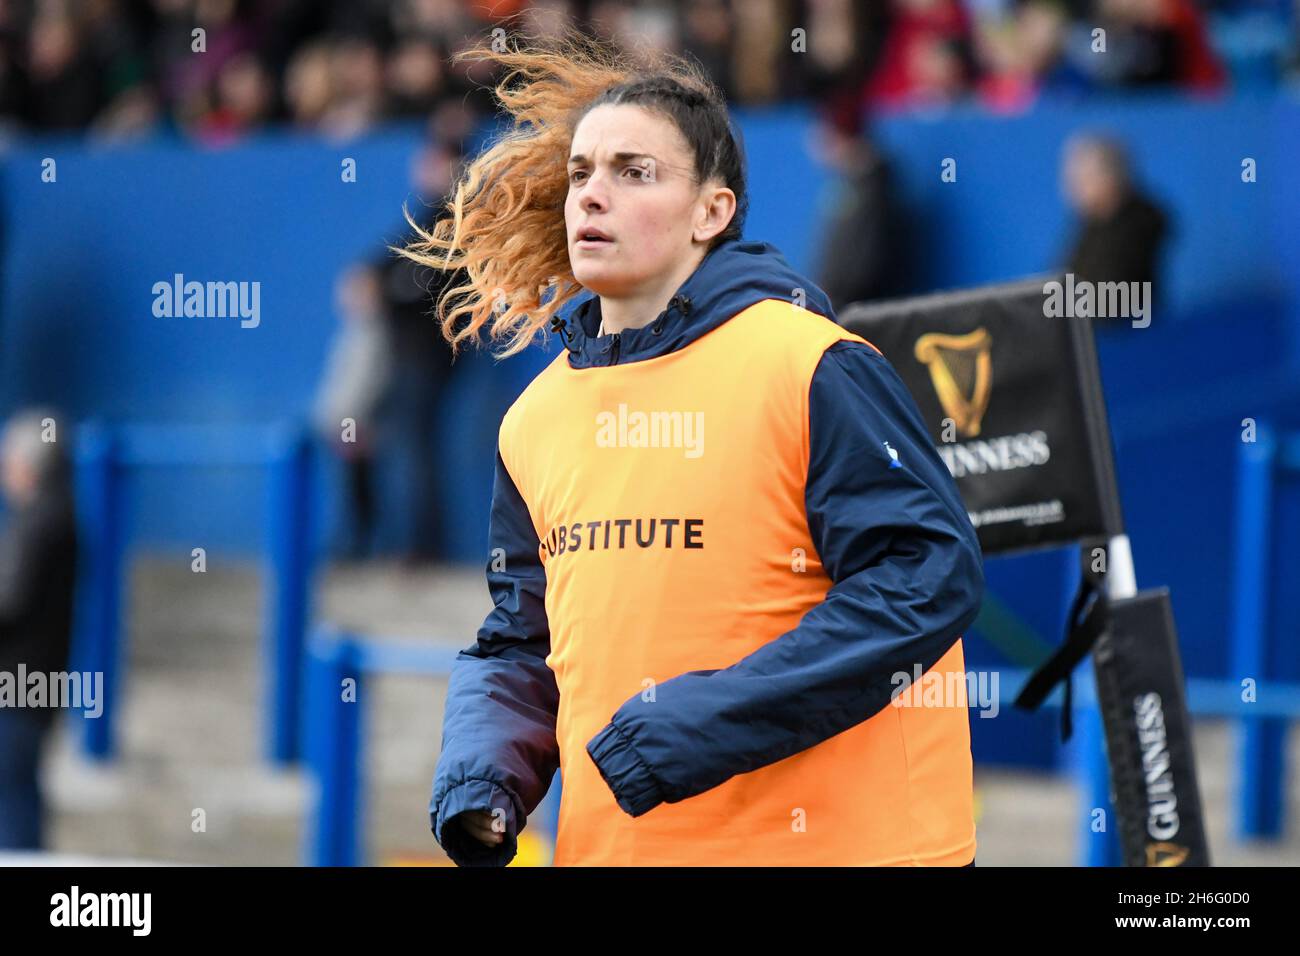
point(1082, 298)
point(656, 429)
point(76, 908)
point(212, 300)
point(946, 689)
point(82, 690)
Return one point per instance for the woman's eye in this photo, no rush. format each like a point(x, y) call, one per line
point(641, 172)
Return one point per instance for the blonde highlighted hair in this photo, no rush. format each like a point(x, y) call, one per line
point(505, 222)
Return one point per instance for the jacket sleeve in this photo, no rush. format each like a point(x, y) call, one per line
point(499, 750)
point(907, 578)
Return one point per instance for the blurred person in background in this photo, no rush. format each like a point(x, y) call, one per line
point(1023, 55)
point(545, 18)
point(1121, 231)
point(858, 256)
point(927, 60)
point(65, 86)
point(358, 377)
point(708, 33)
point(308, 87)
point(422, 366)
point(245, 100)
point(846, 39)
point(1157, 42)
point(652, 27)
point(190, 80)
point(116, 32)
point(357, 81)
point(414, 77)
point(746, 49)
point(38, 553)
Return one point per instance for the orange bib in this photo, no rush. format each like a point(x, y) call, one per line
point(668, 499)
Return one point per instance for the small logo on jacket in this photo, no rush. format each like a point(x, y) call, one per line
point(893, 456)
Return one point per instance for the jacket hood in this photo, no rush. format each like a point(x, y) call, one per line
point(729, 279)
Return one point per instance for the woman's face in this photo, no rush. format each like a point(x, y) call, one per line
point(631, 177)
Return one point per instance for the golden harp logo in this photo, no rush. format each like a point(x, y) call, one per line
point(1166, 854)
point(962, 372)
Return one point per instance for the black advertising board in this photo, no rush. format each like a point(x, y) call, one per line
point(1013, 399)
point(1149, 734)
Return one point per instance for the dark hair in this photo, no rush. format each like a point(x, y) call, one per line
point(505, 225)
point(702, 118)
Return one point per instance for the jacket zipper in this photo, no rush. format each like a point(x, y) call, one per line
point(613, 359)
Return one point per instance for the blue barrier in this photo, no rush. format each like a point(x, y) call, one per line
point(336, 738)
point(289, 553)
point(1262, 737)
point(104, 456)
point(99, 578)
point(333, 742)
point(335, 733)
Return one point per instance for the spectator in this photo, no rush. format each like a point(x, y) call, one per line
point(857, 260)
point(357, 378)
point(308, 85)
point(66, 86)
point(845, 41)
point(423, 363)
point(547, 18)
point(1024, 59)
point(38, 551)
point(927, 59)
point(708, 36)
point(1158, 42)
point(358, 101)
point(415, 78)
point(1121, 231)
point(245, 99)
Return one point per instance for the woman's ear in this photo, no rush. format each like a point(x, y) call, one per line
point(717, 207)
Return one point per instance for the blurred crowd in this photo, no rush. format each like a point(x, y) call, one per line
point(217, 69)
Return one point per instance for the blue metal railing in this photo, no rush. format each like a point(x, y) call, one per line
point(105, 457)
point(338, 664)
point(336, 737)
point(1261, 753)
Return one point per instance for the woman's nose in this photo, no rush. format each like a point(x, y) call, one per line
point(593, 197)
point(593, 193)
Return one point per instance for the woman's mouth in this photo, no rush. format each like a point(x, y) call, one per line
point(592, 238)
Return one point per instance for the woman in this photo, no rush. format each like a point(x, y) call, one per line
point(705, 636)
